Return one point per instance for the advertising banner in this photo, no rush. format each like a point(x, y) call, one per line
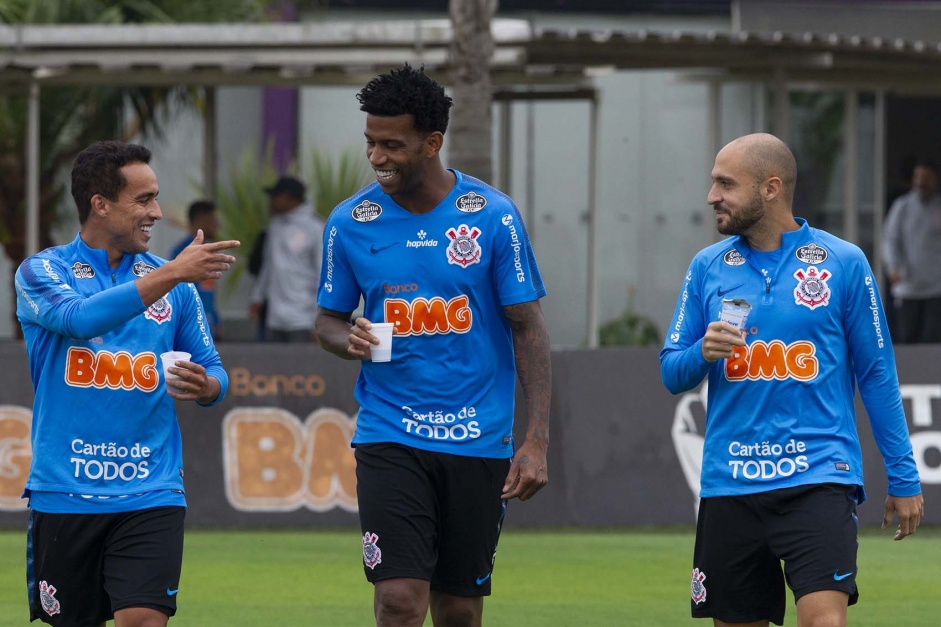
point(623, 451)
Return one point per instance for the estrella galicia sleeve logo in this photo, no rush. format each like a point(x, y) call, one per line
point(733, 258)
point(471, 202)
point(82, 270)
point(366, 211)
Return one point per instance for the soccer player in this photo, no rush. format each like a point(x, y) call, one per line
point(782, 468)
point(105, 486)
point(446, 258)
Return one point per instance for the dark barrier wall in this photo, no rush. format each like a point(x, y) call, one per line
point(624, 451)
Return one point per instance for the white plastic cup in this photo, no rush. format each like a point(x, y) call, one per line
point(383, 331)
point(735, 312)
point(169, 360)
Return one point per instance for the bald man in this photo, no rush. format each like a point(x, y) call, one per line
point(801, 326)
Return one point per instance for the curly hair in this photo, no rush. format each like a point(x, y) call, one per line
point(407, 91)
point(97, 170)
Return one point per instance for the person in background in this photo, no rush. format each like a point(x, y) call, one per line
point(202, 215)
point(287, 284)
point(782, 466)
point(105, 487)
point(911, 249)
point(446, 258)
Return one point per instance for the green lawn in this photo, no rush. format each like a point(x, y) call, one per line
point(542, 578)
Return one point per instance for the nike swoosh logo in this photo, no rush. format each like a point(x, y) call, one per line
point(482, 580)
point(721, 292)
point(171, 592)
point(378, 249)
point(839, 577)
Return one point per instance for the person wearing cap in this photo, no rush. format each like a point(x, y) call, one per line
point(290, 268)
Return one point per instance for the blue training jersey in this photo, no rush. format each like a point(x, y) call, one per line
point(103, 423)
point(443, 279)
point(780, 411)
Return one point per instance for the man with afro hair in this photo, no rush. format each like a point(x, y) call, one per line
point(446, 259)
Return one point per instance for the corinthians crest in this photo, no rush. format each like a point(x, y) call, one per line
point(463, 249)
point(160, 311)
point(812, 289)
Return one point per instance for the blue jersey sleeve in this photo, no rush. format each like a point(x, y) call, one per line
point(193, 336)
point(515, 271)
point(682, 365)
point(44, 298)
point(338, 289)
point(874, 366)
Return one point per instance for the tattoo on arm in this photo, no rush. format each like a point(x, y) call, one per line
point(533, 365)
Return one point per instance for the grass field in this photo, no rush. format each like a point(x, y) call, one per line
point(542, 578)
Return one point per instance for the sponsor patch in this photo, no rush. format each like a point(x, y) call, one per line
point(842, 466)
point(372, 554)
point(366, 211)
point(463, 249)
point(422, 241)
point(471, 202)
point(812, 290)
point(140, 268)
point(49, 602)
point(160, 311)
point(733, 258)
point(812, 254)
point(698, 588)
point(82, 270)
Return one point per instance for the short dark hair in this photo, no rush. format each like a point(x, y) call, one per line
point(407, 91)
point(927, 162)
point(97, 170)
point(200, 208)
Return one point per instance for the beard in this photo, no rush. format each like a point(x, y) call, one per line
point(738, 224)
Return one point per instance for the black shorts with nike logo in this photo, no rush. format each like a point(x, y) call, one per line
point(741, 542)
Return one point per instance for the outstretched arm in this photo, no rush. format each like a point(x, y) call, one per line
point(528, 471)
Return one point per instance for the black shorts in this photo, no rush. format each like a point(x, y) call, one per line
point(742, 540)
point(81, 568)
point(430, 516)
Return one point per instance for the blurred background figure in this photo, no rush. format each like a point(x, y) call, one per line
point(286, 285)
point(911, 249)
point(202, 215)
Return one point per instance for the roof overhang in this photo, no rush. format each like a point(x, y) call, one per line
point(349, 53)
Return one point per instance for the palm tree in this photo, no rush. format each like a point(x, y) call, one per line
point(471, 145)
point(73, 117)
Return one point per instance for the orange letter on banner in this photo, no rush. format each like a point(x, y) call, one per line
point(331, 480)
point(263, 459)
point(15, 455)
point(273, 462)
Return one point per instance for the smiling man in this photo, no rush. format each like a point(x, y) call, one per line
point(446, 259)
point(105, 487)
point(782, 468)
